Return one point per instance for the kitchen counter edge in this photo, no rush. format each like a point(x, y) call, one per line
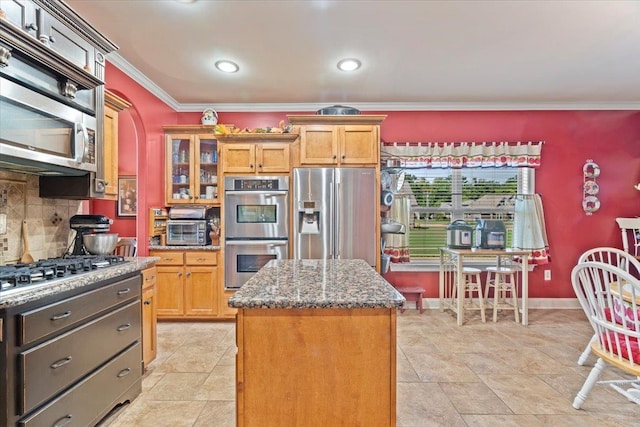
point(70, 283)
point(304, 284)
point(184, 248)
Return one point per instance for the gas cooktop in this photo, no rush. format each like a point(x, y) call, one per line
point(15, 278)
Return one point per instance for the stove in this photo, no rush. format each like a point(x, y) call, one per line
point(19, 277)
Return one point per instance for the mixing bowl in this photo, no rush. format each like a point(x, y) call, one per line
point(100, 243)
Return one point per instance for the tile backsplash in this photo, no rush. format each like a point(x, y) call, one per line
point(47, 219)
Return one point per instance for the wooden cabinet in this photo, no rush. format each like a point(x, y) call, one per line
point(22, 14)
point(187, 284)
point(113, 104)
point(225, 310)
point(149, 315)
point(256, 153)
point(338, 140)
point(191, 158)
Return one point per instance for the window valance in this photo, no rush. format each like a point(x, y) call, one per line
point(462, 154)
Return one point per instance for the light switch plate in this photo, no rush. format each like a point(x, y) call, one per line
point(3, 223)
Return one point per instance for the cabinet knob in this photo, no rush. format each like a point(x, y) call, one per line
point(260, 165)
point(179, 274)
point(147, 302)
point(343, 156)
point(31, 26)
point(188, 274)
point(335, 157)
point(251, 165)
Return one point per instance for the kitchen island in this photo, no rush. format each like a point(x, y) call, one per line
point(316, 345)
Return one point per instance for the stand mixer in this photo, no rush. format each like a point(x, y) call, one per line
point(86, 224)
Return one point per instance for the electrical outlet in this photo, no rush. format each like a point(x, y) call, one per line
point(547, 275)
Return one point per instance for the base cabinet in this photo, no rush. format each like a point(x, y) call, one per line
point(187, 284)
point(149, 315)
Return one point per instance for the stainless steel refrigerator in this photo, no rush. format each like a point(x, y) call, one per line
point(335, 213)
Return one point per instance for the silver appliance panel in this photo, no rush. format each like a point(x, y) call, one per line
point(42, 136)
point(335, 213)
point(243, 258)
point(256, 207)
point(182, 232)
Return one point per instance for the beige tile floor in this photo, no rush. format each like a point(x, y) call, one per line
point(493, 374)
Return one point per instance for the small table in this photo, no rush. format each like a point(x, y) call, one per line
point(412, 293)
point(451, 270)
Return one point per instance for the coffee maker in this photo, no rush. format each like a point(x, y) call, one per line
point(85, 224)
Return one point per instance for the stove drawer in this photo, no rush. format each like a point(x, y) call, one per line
point(56, 364)
point(43, 321)
point(88, 401)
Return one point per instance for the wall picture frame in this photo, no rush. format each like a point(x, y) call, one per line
point(127, 196)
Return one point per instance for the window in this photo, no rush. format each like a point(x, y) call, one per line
point(439, 196)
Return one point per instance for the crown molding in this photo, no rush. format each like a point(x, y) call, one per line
point(161, 94)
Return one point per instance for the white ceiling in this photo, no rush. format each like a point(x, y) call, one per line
point(483, 54)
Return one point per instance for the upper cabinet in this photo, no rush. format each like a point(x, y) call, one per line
point(113, 104)
point(256, 153)
point(191, 158)
point(338, 140)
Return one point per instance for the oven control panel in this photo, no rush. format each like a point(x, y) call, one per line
point(257, 184)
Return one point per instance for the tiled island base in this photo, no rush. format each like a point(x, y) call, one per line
point(316, 367)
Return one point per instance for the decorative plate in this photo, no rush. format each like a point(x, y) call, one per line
point(591, 188)
point(209, 117)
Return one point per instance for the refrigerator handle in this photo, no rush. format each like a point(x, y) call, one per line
point(336, 235)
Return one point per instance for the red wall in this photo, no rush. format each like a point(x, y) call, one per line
point(610, 138)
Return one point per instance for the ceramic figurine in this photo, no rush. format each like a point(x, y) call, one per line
point(209, 117)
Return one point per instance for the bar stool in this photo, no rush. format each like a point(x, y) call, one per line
point(505, 288)
point(472, 284)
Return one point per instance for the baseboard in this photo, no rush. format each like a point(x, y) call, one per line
point(534, 303)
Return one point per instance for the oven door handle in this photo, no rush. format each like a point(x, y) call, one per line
point(257, 242)
point(261, 193)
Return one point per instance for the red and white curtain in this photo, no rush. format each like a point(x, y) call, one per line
point(463, 154)
point(529, 225)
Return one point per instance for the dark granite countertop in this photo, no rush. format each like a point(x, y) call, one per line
point(72, 282)
point(348, 283)
point(184, 248)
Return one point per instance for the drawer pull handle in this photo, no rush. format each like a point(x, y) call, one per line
point(60, 363)
point(148, 279)
point(124, 291)
point(63, 421)
point(167, 259)
point(61, 315)
point(202, 259)
point(124, 372)
point(124, 327)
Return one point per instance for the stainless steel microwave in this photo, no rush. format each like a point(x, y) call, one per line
point(187, 232)
point(43, 136)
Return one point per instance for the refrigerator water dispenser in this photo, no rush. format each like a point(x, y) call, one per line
point(308, 218)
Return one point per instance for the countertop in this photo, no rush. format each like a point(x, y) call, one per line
point(184, 248)
point(348, 283)
point(73, 282)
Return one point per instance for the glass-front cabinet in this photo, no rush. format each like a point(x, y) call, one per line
point(191, 169)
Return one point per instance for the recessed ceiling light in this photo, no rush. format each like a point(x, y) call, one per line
point(349, 64)
point(227, 66)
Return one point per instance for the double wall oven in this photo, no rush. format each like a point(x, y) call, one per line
point(256, 225)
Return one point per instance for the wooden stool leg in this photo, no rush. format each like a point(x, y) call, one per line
point(419, 303)
point(514, 296)
point(480, 297)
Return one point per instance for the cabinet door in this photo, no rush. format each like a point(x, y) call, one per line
point(22, 14)
point(318, 145)
point(149, 337)
point(359, 144)
point(66, 42)
point(179, 159)
point(110, 153)
point(238, 158)
point(200, 290)
point(225, 310)
point(272, 158)
point(170, 291)
point(205, 176)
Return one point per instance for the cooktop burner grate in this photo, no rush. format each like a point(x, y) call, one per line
point(20, 276)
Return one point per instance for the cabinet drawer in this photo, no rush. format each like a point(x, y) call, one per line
point(56, 364)
point(149, 277)
point(169, 258)
point(94, 396)
point(202, 258)
point(46, 320)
